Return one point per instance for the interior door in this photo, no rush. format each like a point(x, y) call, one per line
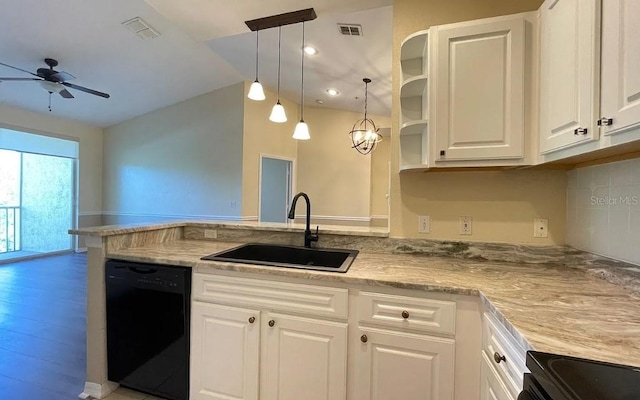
point(275, 189)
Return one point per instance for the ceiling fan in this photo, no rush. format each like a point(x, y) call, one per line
point(53, 81)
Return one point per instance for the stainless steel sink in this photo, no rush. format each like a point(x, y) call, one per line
point(273, 255)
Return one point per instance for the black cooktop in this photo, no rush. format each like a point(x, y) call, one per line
point(571, 378)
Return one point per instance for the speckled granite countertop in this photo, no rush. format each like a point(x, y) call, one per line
point(550, 307)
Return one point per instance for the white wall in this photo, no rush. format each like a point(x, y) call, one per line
point(182, 161)
point(89, 139)
point(603, 209)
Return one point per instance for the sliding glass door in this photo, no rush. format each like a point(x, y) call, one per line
point(36, 203)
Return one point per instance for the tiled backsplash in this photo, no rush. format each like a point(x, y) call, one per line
point(603, 210)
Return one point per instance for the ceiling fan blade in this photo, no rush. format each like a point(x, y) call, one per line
point(19, 69)
point(20, 79)
point(62, 76)
point(86, 90)
point(66, 94)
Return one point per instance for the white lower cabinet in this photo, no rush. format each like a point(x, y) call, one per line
point(503, 362)
point(491, 387)
point(305, 359)
point(264, 339)
point(225, 348)
point(242, 350)
point(395, 365)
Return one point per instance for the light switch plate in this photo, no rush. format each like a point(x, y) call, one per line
point(424, 224)
point(540, 227)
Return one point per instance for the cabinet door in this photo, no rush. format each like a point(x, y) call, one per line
point(621, 64)
point(569, 73)
point(479, 104)
point(224, 352)
point(304, 359)
point(491, 387)
point(393, 365)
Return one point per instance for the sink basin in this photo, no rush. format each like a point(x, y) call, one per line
point(333, 260)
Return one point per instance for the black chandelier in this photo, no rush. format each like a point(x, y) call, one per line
point(364, 134)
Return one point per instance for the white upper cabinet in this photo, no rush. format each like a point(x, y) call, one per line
point(479, 90)
point(620, 65)
point(569, 73)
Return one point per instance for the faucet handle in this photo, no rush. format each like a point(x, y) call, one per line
point(315, 237)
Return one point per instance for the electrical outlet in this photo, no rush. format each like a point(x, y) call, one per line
point(465, 225)
point(540, 227)
point(424, 224)
point(210, 234)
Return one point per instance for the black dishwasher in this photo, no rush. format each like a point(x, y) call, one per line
point(148, 314)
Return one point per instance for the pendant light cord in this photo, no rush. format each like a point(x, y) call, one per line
point(257, 48)
point(366, 98)
point(279, 39)
point(302, 85)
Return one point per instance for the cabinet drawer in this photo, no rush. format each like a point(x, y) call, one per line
point(407, 312)
point(491, 387)
point(271, 295)
point(496, 339)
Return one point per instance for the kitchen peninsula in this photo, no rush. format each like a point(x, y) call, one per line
point(543, 297)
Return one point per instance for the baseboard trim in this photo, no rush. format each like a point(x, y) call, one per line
point(97, 391)
point(335, 218)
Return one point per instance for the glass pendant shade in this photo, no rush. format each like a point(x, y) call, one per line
point(302, 131)
point(256, 92)
point(277, 113)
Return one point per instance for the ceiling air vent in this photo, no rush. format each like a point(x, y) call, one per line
point(141, 28)
point(350, 29)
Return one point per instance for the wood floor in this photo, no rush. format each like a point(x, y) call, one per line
point(42, 328)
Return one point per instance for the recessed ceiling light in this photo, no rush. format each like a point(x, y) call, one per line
point(310, 50)
point(320, 101)
point(332, 92)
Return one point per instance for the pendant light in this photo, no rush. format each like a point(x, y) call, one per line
point(255, 91)
point(277, 113)
point(364, 134)
point(302, 129)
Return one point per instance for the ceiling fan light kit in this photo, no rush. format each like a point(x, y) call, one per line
point(364, 134)
point(53, 81)
point(278, 113)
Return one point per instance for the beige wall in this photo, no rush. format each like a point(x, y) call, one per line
point(262, 136)
point(502, 204)
point(380, 182)
point(336, 177)
point(182, 161)
point(90, 149)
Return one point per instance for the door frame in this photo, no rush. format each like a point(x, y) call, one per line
point(292, 179)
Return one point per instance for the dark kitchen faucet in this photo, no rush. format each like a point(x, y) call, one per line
point(308, 236)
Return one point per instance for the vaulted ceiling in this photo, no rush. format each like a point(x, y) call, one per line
point(204, 45)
